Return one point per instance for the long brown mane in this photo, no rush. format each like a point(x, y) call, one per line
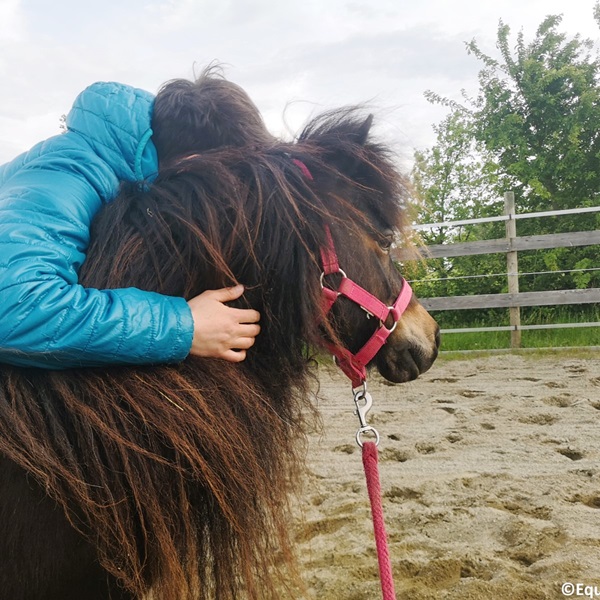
point(179, 475)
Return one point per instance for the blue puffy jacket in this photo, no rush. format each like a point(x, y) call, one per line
point(48, 198)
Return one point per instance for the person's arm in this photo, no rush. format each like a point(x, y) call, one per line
point(47, 319)
point(48, 198)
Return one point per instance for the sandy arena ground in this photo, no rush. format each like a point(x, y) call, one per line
point(490, 471)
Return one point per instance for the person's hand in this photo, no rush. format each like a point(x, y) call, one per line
point(221, 331)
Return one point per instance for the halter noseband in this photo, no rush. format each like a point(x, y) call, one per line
point(355, 365)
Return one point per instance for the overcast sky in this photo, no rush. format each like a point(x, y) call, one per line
point(293, 58)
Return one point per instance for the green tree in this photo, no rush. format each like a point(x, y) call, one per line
point(457, 179)
point(538, 112)
point(533, 128)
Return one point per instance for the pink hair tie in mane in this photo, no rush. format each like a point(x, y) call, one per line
point(303, 168)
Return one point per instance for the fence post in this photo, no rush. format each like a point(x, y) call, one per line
point(512, 268)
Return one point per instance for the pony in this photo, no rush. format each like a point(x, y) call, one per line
point(173, 482)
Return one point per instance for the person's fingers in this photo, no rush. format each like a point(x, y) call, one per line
point(249, 331)
point(221, 331)
point(243, 343)
point(234, 355)
point(227, 294)
point(246, 315)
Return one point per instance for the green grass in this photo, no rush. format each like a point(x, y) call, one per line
point(584, 353)
point(545, 338)
point(537, 338)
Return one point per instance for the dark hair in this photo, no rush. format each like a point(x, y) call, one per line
point(195, 116)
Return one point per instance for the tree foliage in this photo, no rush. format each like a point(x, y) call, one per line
point(456, 179)
point(538, 112)
point(533, 127)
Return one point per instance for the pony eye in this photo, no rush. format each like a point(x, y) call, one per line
point(385, 241)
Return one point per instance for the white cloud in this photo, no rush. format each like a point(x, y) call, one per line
point(11, 20)
point(18, 135)
point(304, 55)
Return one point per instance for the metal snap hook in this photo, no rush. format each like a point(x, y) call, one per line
point(361, 395)
point(362, 409)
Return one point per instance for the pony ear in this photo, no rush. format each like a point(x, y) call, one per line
point(348, 160)
point(362, 133)
point(340, 134)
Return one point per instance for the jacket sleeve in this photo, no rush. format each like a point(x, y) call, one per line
point(47, 202)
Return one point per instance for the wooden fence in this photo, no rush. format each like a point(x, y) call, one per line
point(511, 245)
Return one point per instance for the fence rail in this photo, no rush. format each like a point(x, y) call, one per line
point(502, 245)
point(510, 245)
point(507, 216)
point(549, 298)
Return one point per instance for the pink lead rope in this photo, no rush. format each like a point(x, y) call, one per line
point(370, 463)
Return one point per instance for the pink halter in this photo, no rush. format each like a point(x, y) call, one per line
point(355, 365)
